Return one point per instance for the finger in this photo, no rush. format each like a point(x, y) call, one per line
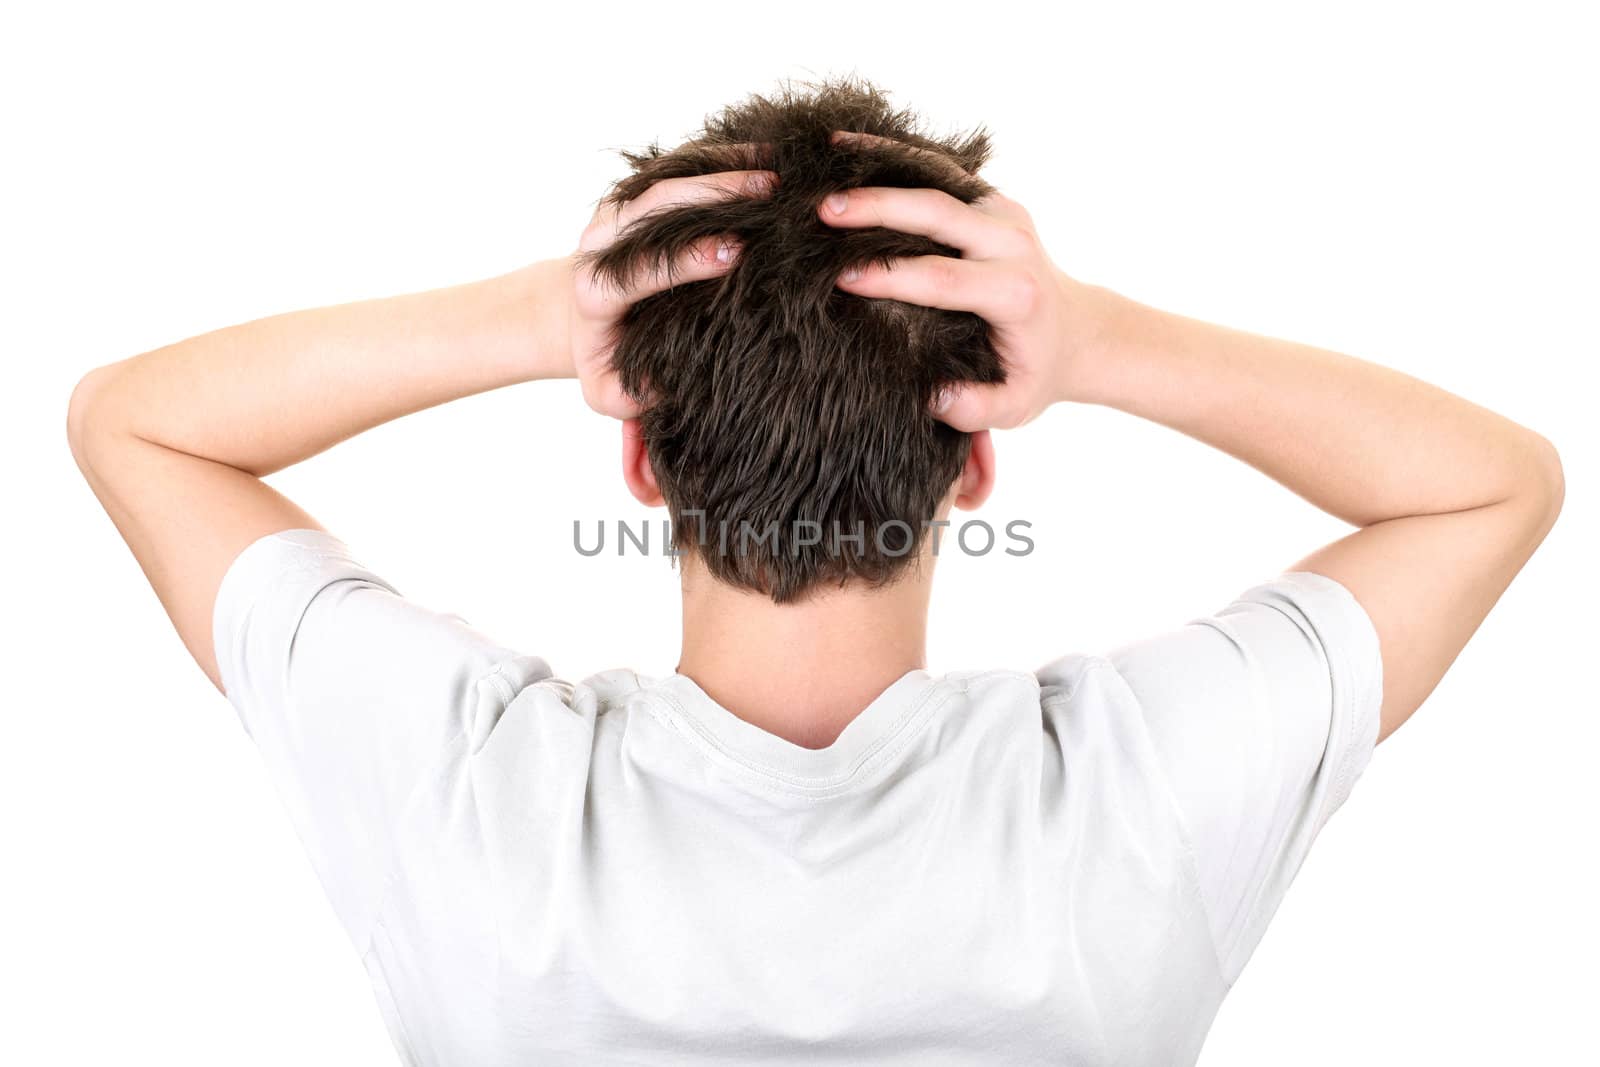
point(996, 291)
point(970, 407)
point(929, 212)
point(611, 217)
point(734, 156)
point(995, 202)
point(699, 189)
point(870, 140)
point(707, 258)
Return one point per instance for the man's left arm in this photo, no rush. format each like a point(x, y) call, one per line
point(175, 442)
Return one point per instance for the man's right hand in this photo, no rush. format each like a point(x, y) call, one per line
point(1045, 326)
point(1451, 499)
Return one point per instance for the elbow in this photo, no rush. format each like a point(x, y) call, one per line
point(88, 417)
point(1546, 483)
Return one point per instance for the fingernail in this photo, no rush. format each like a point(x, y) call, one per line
point(837, 202)
point(724, 251)
point(760, 183)
point(851, 274)
point(943, 399)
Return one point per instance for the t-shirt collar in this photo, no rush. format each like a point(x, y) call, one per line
point(869, 740)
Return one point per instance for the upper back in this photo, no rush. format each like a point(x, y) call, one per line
point(980, 867)
point(1072, 864)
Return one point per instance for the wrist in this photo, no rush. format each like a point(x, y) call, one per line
point(550, 295)
point(1094, 317)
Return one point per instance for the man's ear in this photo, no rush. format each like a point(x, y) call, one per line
point(636, 469)
point(977, 477)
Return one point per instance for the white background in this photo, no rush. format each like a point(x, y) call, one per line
point(1413, 185)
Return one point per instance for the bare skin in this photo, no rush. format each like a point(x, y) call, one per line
point(804, 671)
point(1449, 499)
point(175, 441)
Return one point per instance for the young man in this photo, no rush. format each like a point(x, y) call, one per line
point(801, 846)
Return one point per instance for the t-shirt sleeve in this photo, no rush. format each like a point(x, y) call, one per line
point(1262, 716)
point(357, 699)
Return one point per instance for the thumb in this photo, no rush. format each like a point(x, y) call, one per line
point(967, 406)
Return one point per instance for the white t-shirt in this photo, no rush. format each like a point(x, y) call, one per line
point(1066, 866)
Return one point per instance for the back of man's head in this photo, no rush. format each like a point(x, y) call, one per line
point(787, 421)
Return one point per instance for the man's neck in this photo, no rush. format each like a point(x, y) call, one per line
point(801, 671)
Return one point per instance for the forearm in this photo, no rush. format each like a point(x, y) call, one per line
point(173, 441)
point(263, 395)
point(1361, 441)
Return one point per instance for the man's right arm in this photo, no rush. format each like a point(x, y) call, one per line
point(1450, 499)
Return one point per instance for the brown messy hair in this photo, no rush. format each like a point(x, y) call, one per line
point(778, 409)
